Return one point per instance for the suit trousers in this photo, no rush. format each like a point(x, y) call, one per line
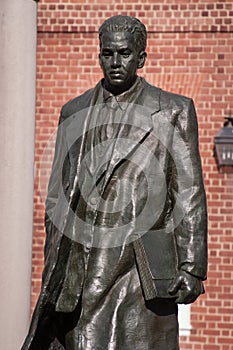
point(135, 324)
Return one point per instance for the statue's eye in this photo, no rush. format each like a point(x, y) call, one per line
point(125, 53)
point(106, 54)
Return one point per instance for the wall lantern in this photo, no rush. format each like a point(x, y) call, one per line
point(223, 144)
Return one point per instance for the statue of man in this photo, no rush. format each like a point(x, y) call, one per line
point(126, 218)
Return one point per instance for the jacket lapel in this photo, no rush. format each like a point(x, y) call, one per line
point(136, 125)
point(137, 122)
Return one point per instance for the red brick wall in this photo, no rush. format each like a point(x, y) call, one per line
point(190, 51)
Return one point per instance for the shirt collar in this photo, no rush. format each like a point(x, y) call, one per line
point(127, 96)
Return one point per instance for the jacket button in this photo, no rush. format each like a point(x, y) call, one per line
point(93, 201)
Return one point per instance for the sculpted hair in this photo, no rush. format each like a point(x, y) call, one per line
point(126, 24)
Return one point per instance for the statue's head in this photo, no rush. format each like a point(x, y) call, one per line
point(122, 51)
point(126, 24)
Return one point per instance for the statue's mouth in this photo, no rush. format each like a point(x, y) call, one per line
point(115, 74)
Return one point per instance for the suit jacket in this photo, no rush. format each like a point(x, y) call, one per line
point(161, 208)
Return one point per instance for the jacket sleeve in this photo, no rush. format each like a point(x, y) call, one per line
point(190, 212)
point(56, 184)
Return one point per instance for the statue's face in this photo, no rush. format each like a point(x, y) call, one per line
point(119, 60)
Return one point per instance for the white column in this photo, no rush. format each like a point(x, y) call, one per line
point(17, 120)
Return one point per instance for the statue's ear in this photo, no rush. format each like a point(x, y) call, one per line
point(141, 59)
point(100, 63)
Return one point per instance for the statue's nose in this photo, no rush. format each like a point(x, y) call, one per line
point(116, 61)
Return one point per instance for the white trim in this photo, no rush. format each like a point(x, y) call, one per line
point(184, 316)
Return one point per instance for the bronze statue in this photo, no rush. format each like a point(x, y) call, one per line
point(126, 218)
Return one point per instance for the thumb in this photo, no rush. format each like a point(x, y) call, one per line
point(176, 285)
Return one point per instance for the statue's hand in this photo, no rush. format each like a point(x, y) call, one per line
point(186, 287)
